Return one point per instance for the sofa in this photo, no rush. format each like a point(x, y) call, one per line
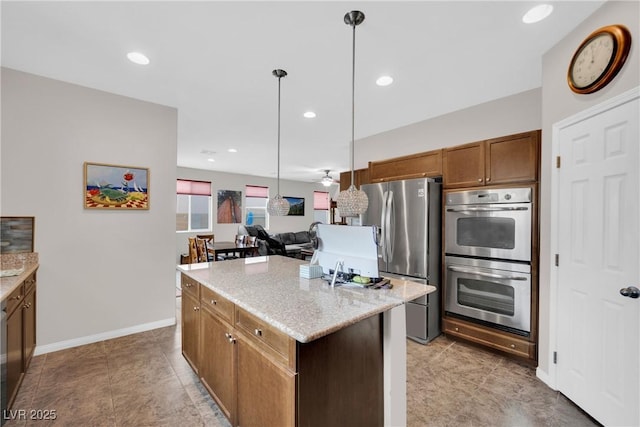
point(294, 242)
point(287, 243)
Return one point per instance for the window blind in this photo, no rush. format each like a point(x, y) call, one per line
point(193, 188)
point(321, 200)
point(256, 191)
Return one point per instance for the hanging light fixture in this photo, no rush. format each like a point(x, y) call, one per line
point(278, 205)
point(352, 202)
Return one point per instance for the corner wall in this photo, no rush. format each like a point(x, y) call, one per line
point(558, 103)
point(102, 273)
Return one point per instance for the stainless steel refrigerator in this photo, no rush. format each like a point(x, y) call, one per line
point(407, 214)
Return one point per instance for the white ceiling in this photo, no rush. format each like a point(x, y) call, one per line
point(213, 62)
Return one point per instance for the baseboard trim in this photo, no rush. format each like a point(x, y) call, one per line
point(545, 378)
point(90, 339)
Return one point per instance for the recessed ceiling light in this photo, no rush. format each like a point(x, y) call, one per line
point(309, 115)
point(384, 80)
point(211, 159)
point(537, 13)
point(138, 58)
point(232, 150)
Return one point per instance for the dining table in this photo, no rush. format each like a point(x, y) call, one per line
point(225, 248)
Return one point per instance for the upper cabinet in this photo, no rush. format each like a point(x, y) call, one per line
point(361, 177)
point(421, 165)
point(508, 159)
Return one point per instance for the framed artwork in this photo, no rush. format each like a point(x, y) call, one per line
point(229, 207)
point(296, 206)
point(16, 234)
point(115, 187)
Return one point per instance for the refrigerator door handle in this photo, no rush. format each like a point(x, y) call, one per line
point(383, 226)
point(388, 231)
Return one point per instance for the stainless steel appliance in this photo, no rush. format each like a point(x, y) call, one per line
point(488, 256)
point(494, 223)
point(407, 214)
point(496, 292)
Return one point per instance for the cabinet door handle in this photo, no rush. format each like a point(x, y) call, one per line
point(258, 332)
point(479, 179)
point(230, 337)
point(214, 302)
point(488, 179)
point(196, 308)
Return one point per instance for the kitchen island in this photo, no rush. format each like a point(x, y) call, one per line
point(274, 348)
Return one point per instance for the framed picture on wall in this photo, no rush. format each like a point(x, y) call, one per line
point(115, 187)
point(296, 206)
point(16, 234)
point(229, 207)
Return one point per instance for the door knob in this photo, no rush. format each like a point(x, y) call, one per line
point(631, 292)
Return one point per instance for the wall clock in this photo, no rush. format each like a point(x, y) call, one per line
point(598, 59)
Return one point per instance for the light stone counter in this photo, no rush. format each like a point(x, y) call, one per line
point(305, 309)
point(13, 261)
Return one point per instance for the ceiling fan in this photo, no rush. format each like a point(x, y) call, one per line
point(327, 179)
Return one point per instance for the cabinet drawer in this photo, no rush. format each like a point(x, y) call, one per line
point(491, 338)
point(29, 283)
point(15, 298)
point(217, 304)
point(190, 286)
point(276, 340)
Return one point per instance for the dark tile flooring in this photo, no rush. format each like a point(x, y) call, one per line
point(143, 380)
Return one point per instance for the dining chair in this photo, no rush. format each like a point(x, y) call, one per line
point(208, 240)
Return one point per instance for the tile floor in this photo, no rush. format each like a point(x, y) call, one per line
point(143, 380)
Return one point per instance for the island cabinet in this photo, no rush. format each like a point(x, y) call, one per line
point(190, 320)
point(20, 308)
point(260, 376)
point(503, 160)
point(420, 165)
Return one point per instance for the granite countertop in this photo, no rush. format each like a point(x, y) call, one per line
point(305, 309)
point(15, 261)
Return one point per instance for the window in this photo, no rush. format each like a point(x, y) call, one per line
point(193, 205)
point(321, 203)
point(256, 205)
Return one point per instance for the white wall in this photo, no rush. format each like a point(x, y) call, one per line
point(513, 114)
point(237, 182)
point(102, 273)
point(559, 102)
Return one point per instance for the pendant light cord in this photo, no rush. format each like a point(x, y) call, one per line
point(278, 180)
point(353, 103)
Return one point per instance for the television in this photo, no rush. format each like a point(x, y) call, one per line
point(296, 206)
point(353, 246)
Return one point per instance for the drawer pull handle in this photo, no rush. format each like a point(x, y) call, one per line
point(214, 302)
point(512, 346)
point(457, 329)
point(258, 332)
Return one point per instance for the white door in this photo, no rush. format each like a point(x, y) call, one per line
point(598, 336)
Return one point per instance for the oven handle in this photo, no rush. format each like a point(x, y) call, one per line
point(501, 209)
point(479, 273)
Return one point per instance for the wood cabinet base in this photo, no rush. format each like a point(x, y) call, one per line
point(493, 338)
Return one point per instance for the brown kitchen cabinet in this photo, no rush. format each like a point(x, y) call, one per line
point(217, 360)
point(260, 376)
point(361, 176)
point(420, 165)
point(190, 320)
point(489, 337)
point(504, 160)
point(20, 334)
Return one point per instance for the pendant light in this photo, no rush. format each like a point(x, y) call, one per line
point(278, 205)
point(352, 202)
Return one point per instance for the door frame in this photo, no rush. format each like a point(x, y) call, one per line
point(550, 378)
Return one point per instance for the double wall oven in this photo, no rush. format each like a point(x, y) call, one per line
point(488, 257)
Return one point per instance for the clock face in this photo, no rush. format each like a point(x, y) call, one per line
point(592, 60)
